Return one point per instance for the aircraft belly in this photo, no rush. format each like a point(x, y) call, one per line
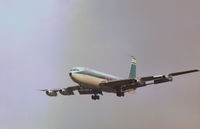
point(86, 80)
point(91, 82)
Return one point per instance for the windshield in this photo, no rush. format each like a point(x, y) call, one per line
point(74, 70)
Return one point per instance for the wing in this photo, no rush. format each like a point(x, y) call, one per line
point(115, 83)
point(126, 84)
point(70, 91)
point(161, 78)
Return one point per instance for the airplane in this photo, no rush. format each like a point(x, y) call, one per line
point(95, 83)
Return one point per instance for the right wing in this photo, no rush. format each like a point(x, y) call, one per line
point(70, 91)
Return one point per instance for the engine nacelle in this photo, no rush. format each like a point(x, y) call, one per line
point(170, 78)
point(163, 79)
point(51, 93)
point(66, 92)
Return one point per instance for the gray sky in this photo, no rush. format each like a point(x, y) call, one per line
point(42, 40)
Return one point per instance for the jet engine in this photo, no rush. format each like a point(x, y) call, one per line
point(155, 79)
point(66, 92)
point(51, 93)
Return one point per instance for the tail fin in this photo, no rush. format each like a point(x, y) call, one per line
point(132, 73)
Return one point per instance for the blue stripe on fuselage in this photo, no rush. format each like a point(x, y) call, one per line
point(97, 74)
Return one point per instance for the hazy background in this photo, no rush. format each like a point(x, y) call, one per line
point(41, 40)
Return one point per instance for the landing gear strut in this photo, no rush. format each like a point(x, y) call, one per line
point(95, 97)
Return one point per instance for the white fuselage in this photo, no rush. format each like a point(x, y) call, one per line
point(91, 78)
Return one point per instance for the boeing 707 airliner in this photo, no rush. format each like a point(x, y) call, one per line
point(95, 83)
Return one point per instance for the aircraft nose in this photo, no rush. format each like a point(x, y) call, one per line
point(70, 74)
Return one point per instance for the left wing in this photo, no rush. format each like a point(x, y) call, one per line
point(70, 91)
point(162, 78)
point(126, 84)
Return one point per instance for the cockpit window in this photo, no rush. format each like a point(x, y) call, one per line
point(74, 69)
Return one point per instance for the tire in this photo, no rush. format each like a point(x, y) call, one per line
point(120, 94)
point(97, 97)
point(93, 97)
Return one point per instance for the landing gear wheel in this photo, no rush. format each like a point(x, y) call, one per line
point(95, 97)
point(120, 94)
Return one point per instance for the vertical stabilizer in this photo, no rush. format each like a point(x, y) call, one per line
point(132, 73)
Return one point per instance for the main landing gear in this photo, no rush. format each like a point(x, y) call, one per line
point(120, 94)
point(95, 97)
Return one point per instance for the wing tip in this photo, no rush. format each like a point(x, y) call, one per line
point(184, 72)
point(195, 70)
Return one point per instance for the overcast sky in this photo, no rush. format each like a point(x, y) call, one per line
point(41, 40)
